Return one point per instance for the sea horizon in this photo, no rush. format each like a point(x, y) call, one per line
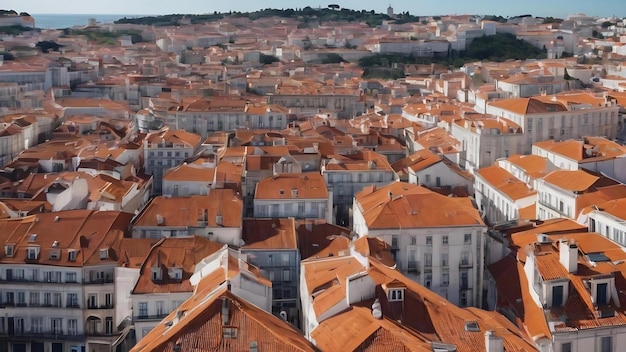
point(59, 21)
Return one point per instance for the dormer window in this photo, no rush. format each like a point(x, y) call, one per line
point(32, 253)
point(395, 295)
point(157, 275)
point(32, 237)
point(71, 255)
point(9, 250)
point(104, 253)
point(294, 192)
point(176, 273)
point(55, 254)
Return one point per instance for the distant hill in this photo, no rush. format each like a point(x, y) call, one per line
point(304, 15)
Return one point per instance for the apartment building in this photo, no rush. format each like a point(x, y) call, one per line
point(502, 197)
point(301, 196)
point(57, 281)
point(596, 154)
point(430, 170)
point(272, 246)
point(216, 216)
point(372, 306)
point(208, 115)
point(347, 175)
point(565, 193)
point(188, 179)
point(563, 289)
point(606, 219)
point(440, 247)
point(165, 149)
point(484, 139)
point(531, 83)
point(568, 115)
point(240, 324)
point(163, 279)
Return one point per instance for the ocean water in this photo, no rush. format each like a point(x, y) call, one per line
point(49, 21)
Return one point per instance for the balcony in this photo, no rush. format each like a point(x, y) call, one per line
point(108, 280)
point(464, 264)
point(413, 267)
point(103, 306)
point(44, 335)
point(72, 306)
point(428, 268)
point(14, 280)
point(157, 317)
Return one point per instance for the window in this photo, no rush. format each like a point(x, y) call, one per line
point(413, 240)
point(394, 241)
point(395, 295)
point(47, 299)
point(92, 301)
point(34, 275)
point(71, 255)
point(72, 327)
point(557, 296)
point(108, 325)
point(601, 294)
point(444, 260)
point(57, 326)
point(56, 299)
point(429, 241)
point(104, 254)
point(32, 253)
point(230, 332)
point(55, 254)
point(428, 259)
point(143, 309)
point(21, 298)
point(72, 300)
point(566, 347)
point(36, 325)
point(444, 240)
point(285, 258)
point(464, 280)
point(464, 259)
point(70, 277)
point(463, 299)
point(108, 300)
point(606, 344)
point(34, 299)
point(445, 277)
point(160, 308)
point(467, 239)
point(286, 275)
point(8, 250)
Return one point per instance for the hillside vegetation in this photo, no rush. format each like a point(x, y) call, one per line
point(304, 15)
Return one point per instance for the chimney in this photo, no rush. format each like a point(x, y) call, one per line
point(568, 255)
point(493, 342)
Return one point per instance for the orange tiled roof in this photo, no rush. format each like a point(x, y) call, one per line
point(269, 234)
point(402, 205)
point(306, 186)
point(173, 253)
point(201, 328)
point(505, 182)
point(83, 231)
point(185, 211)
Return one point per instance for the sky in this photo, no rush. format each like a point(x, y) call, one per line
point(542, 8)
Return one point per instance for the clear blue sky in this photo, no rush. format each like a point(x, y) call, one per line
point(556, 8)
